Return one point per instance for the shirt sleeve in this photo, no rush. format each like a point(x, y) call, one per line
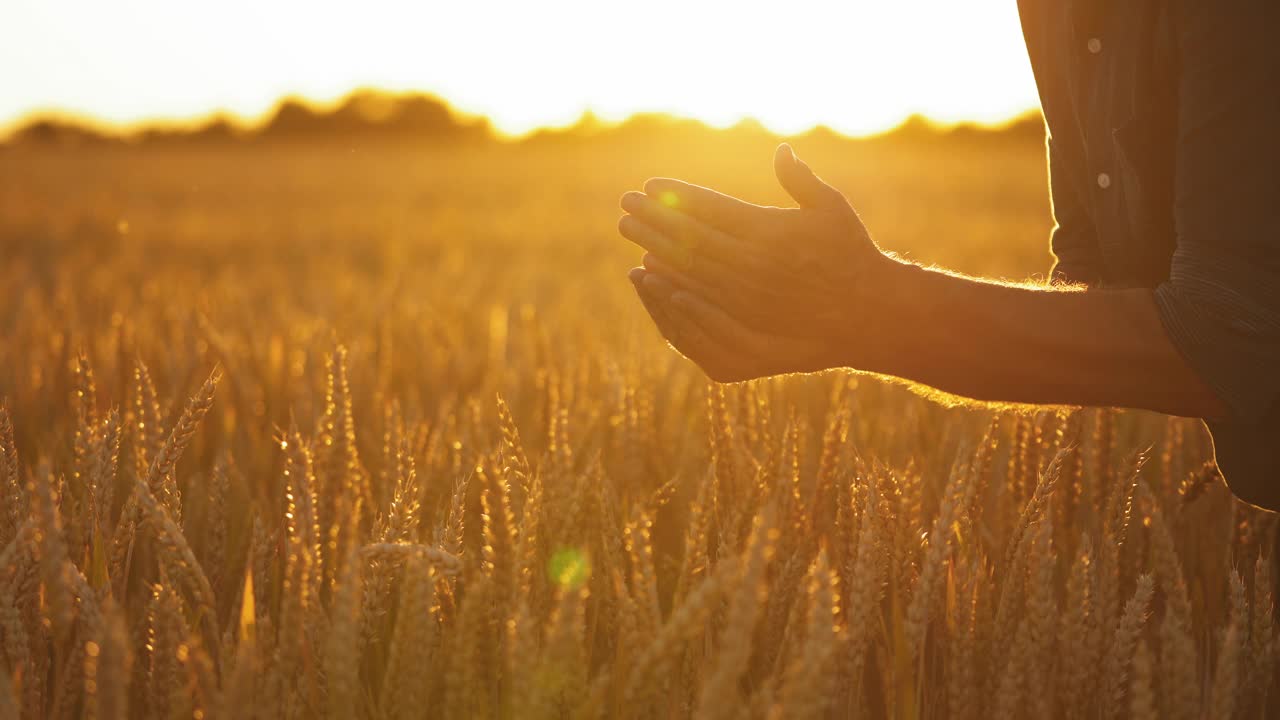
point(1221, 304)
point(1074, 241)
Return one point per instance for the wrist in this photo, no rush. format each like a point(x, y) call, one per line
point(877, 323)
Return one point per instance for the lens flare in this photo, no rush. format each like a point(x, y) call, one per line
point(569, 568)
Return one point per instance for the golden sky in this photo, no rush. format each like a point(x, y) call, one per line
point(856, 65)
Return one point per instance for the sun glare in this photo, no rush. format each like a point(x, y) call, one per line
point(857, 66)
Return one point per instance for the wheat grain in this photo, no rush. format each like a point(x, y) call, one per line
point(719, 693)
point(403, 691)
point(808, 683)
point(653, 663)
point(1119, 653)
point(1260, 669)
point(1226, 677)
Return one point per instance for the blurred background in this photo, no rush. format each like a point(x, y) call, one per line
point(856, 66)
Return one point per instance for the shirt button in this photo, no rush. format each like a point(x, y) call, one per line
point(1095, 45)
point(1104, 181)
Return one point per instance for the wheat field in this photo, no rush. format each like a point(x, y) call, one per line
point(379, 431)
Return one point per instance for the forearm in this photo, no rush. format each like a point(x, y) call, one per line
point(1006, 343)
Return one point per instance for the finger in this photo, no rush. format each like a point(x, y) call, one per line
point(681, 278)
point(708, 280)
point(756, 353)
point(656, 242)
point(754, 302)
point(686, 336)
point(656, 311)
point(718, 210)
point(686, 229)
point(655, 292)
point(658, 286)
point(800, 182)
point(704, 275)
point(719, 325)
point(705, 268)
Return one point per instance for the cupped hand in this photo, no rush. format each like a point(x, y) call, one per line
point(725, 348)
point(759, 290)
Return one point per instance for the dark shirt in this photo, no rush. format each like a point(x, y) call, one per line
point(1162, 120)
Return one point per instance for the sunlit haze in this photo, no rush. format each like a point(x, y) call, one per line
point(857, 66)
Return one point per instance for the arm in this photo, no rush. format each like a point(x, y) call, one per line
point(747, 291)
point(1039, 345)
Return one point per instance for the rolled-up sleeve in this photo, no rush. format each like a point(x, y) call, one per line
point(1074, 239)
point(1221, 304)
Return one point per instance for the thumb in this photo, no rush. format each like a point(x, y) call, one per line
point(801, 184)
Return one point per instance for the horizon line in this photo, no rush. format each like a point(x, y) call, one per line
point(258, 122)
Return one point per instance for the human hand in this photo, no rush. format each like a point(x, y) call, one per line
point(725, 348)
point(746, 290)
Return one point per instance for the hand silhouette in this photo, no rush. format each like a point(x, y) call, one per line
point(745, 290)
